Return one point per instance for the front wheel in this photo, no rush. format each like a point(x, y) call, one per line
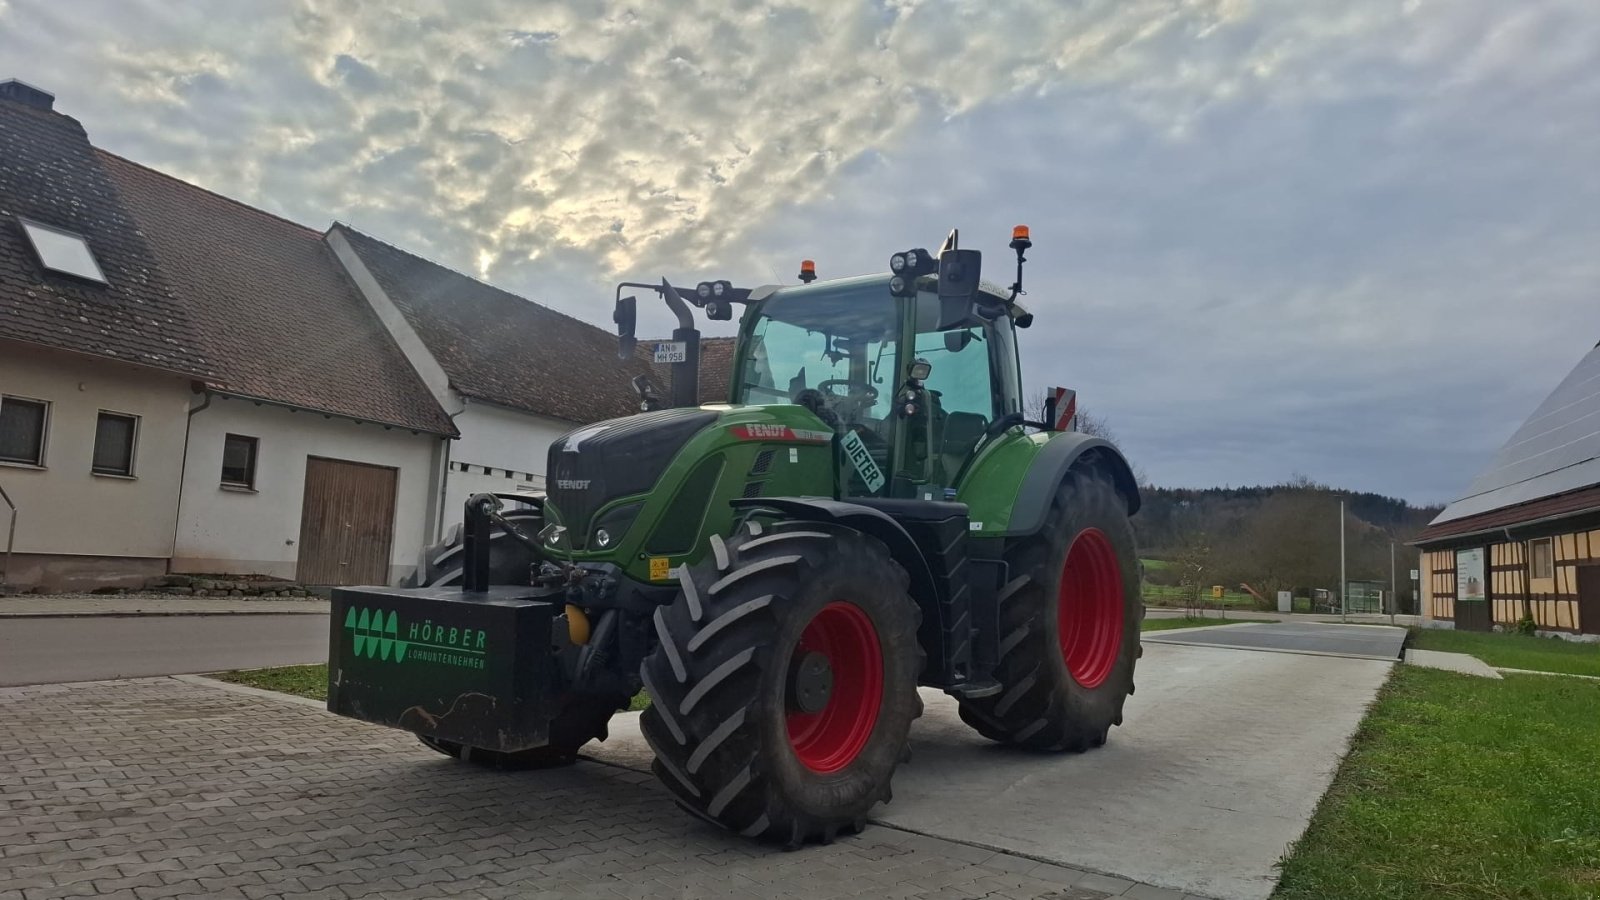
point(785, 681)
point(1069, 624)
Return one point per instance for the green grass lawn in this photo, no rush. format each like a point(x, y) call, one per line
point(1168, 595)
point(302, 681)
point(312, 681)
point(1461, 788)
point(1513, 651)
point(1186, 622)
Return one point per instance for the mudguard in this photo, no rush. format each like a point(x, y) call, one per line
point(864, 519)
point(1049, 466)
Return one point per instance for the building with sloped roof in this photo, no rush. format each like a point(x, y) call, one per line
point(189, 384)
point(1524, 541)
point(513, 375)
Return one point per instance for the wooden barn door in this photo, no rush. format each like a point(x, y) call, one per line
point(346, 523)
point(1589, 599)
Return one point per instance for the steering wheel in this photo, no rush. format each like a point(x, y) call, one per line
point(856, 398)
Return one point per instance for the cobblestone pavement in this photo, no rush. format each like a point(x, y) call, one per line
point(164, 787)
point(152, 604)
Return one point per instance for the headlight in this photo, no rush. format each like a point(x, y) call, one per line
point(897, 262)
point(897, 285)
point(703, 289)
point(613, 524)
point(911, 259)
point(718, 288)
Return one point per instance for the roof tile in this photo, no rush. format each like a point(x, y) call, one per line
point(502, 348)
point(281, 319)
point(50, 173)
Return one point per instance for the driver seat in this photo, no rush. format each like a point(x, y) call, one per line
point(962, 431)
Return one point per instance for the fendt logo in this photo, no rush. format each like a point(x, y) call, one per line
point(570, 484)
point(375, 634)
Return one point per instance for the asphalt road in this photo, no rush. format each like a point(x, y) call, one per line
point(94, 648)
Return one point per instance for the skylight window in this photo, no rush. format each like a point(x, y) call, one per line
point(62, 251)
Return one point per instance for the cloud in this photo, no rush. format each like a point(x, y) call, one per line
point(1351, 239)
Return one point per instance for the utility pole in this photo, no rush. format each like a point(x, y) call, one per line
point(1394, 595)
point(1344, 586)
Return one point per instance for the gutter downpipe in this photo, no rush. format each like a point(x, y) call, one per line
point(183, 466)
point(444, 480)
point(11, 539)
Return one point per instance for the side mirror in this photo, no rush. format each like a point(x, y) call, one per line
point(626, 316)
point(958, 285)
point(958, 273)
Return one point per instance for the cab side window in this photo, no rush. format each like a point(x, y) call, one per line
point(963, 394)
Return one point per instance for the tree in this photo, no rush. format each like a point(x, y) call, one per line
point(1193, 564)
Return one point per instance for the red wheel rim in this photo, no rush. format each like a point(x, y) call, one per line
point(1089, 608)
point(831, 738)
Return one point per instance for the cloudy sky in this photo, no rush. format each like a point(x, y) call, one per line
point(1351, 239)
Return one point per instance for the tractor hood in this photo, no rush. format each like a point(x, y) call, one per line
point(614, 458)
point(646, 492)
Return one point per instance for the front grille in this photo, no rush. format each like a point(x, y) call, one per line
point(763, 463)
point(599, 462)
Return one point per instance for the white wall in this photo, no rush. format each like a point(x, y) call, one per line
point(504, 441)
point(228, 530)
point(63, 508)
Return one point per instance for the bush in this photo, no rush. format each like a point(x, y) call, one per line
point(1526, 625)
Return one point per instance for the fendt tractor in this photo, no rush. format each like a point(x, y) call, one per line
point(871, 510)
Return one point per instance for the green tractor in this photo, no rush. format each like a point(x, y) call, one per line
point(870, 512)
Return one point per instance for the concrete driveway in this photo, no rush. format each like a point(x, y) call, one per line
point(1218, 766)
point(172, 788)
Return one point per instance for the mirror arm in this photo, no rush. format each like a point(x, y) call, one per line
point(676, 304)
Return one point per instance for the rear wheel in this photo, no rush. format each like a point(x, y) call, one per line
point(509, 559)
point(784, 682)
point(1069, 624)
point(579, 718)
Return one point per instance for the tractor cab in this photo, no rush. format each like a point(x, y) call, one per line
point(912, 396)
point(913, 372)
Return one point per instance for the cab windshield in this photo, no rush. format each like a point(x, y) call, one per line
point(833, 352)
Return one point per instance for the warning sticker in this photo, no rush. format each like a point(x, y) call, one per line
point(660, 568)
point(856, 451)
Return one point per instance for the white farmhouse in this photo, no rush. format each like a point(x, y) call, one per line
point(192, 385)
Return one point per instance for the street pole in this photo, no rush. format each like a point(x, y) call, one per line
point(1344, 587)
point(1394, 595)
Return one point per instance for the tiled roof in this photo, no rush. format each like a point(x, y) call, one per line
point(502, 348)
point(716, 367)
point(272, 304)
point(1571, 503)
point(50, 173)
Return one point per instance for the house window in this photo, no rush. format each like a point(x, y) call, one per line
point(239, 461)
point(1541, 559)
point(22, 429)
point(114, 437)
point(62, 251)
